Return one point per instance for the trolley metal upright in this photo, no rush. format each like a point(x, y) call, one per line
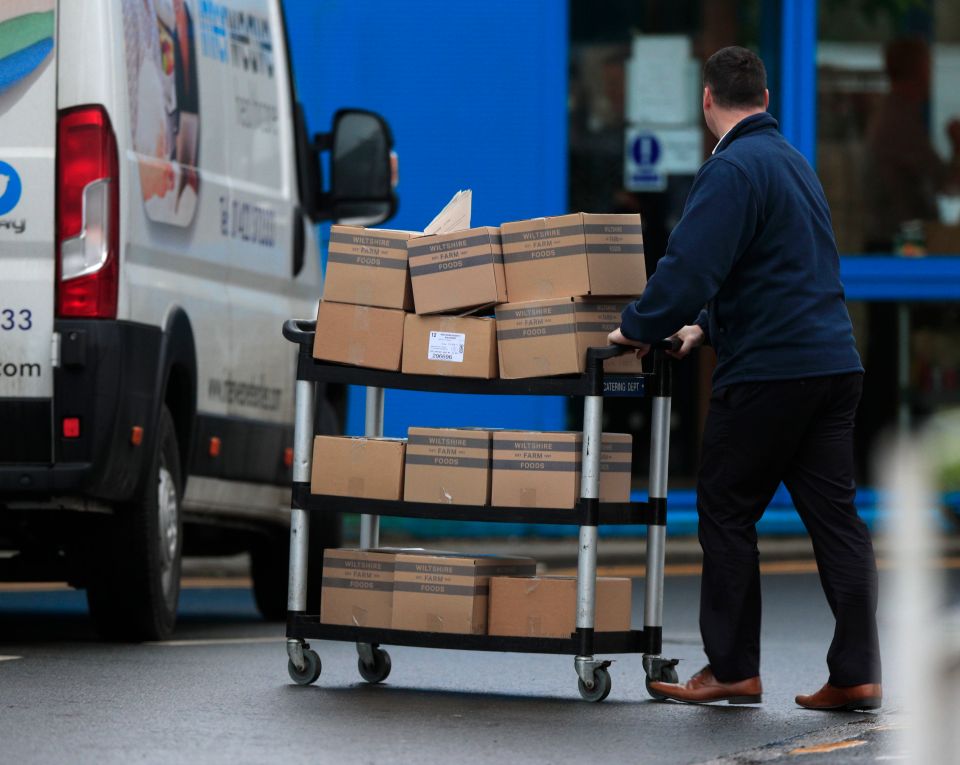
point(374, 663)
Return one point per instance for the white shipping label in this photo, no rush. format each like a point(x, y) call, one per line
point(446, 346)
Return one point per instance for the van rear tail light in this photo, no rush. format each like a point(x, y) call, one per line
point(88, 214)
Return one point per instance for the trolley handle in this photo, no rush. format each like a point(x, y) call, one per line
point(299, 331)
point(612, 351)
point(668, 344)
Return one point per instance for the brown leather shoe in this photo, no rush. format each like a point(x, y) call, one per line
point(704, 688)
point(830, 698)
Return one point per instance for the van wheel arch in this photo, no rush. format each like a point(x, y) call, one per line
point(177, 382)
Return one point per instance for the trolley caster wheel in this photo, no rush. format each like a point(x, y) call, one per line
point(656, 695)
point(601, 686)
point(311, 668)
point(668, 674)
point(380, 669)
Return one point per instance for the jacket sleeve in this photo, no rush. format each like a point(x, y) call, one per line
point(718, 223)
point(703, 321)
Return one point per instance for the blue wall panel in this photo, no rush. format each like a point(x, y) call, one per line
point(476, 95)
point(798, 76)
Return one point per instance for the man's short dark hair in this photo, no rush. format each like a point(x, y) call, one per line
point(736, 78)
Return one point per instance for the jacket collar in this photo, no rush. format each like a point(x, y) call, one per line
point(751, 124)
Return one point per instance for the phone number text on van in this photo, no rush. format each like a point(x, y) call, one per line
point(16, 318)
point(248, 222)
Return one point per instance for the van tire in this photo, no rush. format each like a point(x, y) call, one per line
point(135, 583)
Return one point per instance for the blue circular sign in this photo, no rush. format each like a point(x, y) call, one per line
point(10, 188)
point(646, 150)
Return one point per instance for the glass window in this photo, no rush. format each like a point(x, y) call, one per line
point(888, 137)
point(606, 80)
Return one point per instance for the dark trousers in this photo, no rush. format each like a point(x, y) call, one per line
point(799, 432)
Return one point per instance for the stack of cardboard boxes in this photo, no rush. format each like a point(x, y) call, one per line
point(509, 468)
point(422, 303)
point(365, 297)
point(456, 593)
point(469, 466)
point(376, 277)
point(568, 279)
point(454, 275)
point(556, 286)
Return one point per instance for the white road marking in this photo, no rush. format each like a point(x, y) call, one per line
point(214, 641)
point(10, 658)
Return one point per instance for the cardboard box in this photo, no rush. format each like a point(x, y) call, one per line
point(542, 469)
point(448, 466)
point(367, 266)
point(551, 337)
point(359, 335)
point(366, 468)
point(546, 606)
point(578, 254)
point(448, 592)
point(596, 318)
point(538, 338)
point(616, 461)
point(534, 469)
point(357, 588)
point(450, 346)
point(457, 271)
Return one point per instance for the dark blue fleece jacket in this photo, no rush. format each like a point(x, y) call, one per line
point(755, 244)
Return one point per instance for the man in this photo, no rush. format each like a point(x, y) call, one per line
point(756, 245)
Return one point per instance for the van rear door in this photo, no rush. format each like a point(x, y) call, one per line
point(28, 123)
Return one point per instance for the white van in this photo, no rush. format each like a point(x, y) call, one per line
point(157, 195)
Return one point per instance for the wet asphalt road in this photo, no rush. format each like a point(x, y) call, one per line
point(219, 693)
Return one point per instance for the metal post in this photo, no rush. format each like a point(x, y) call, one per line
point(656, 533)
point(370, 524)
point(373, 428)
point(589, 490)
point(903, 366)
point(299, 518)
point(584, 663)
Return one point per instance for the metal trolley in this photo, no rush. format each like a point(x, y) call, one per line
point(374, 663)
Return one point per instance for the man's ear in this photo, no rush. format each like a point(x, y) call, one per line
point(707, 98)
point(766, 99)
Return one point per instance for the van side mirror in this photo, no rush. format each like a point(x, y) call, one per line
point(361, 170)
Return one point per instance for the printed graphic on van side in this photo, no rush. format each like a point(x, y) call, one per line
point(240, 37)
point(164, 100)
point(10, 188)
point(26, 42)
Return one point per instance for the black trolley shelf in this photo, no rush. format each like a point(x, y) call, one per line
point(374, 663)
